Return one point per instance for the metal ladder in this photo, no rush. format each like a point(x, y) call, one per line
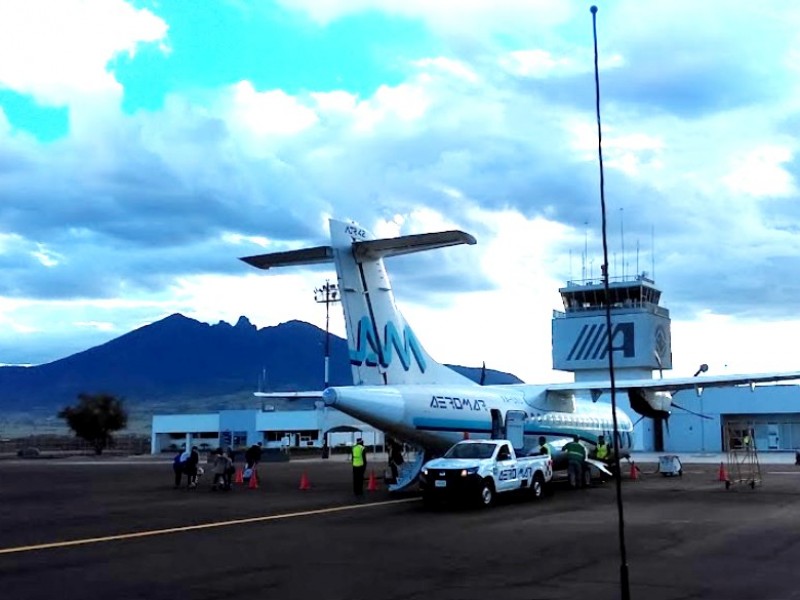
point(743, 465)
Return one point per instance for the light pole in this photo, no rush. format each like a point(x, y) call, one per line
point(327, 294)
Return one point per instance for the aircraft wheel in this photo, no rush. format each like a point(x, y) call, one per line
point(487, 493)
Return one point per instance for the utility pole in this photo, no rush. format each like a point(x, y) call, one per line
point(327, 294)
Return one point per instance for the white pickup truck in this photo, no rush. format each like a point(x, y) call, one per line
point(480, 469)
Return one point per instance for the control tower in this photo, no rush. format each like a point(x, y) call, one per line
point(640, 341)
point(640, 329)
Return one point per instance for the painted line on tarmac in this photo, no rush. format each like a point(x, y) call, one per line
point(169, 530)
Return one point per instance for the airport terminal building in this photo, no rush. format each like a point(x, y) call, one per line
point(278, 425)
point(640, 341)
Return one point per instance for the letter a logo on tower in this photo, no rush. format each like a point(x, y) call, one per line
point(369, 351)
point(592, 342)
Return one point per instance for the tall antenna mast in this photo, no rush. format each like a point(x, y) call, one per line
point(585, 249)
point(622, 237)
point(624, 580)
point(653, 252)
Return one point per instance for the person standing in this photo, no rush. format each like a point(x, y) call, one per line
point(222, 464)
point(395, 458)
point(178, 465)
point(602, 450)
point(190, 468)
point(544, 449)
point(252, 457)
point(576, 456)
point(358, 455)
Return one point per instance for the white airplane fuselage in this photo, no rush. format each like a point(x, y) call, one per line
point(437, 416)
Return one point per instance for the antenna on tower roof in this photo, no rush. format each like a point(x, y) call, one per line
point(653, 252)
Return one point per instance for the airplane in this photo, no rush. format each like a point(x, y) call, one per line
point(399, 389)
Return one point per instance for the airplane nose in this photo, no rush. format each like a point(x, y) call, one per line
point(329, 397)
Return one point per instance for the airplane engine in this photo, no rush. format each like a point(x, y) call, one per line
point(649, 403)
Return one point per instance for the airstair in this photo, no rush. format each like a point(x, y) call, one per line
point(408, 472)
point(743, 465)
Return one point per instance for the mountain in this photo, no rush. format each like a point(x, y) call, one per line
point(178, 360)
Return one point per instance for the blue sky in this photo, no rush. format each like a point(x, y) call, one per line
point(145, 145)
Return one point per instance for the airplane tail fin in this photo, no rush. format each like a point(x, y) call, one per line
point(383, 348)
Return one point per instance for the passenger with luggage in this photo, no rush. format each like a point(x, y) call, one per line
point(222, 471)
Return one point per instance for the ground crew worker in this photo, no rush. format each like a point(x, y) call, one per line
point(576, 455)
point(544, 449)
point(602, 450)
point(358, 456)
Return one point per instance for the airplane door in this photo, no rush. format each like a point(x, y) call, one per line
point(515, 428)
point(773, 436)
point(497, 424)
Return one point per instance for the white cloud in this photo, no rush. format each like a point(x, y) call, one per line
point(761, 173)
point(264, 114)
point(98, 325)
point(59, 51)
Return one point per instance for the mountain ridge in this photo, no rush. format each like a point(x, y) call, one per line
point(173, 360)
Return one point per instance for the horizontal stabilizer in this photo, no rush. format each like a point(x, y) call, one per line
point(304, 256)
point(406, 244)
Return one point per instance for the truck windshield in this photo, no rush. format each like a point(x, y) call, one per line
point(471, 451)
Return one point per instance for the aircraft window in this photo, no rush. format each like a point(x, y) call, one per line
point(470, 451)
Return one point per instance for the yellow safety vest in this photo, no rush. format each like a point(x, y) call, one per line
point(358, 455)
point(602, 451)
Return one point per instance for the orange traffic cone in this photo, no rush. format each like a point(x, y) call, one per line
point(634, 471)
point(372, 485)
point(723, 474)
point(304, 483)
point(253, 485)
point(239, 478)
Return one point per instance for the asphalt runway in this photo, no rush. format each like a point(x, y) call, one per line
point(117, 529)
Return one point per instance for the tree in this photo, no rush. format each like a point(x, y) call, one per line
point(95, 417)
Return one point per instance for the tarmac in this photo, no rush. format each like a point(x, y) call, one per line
point(115, 527)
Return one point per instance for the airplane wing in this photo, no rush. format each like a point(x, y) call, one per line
point(675, 384)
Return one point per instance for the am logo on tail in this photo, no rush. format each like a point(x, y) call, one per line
point(399, 388)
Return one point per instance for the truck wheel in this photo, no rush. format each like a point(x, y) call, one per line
point(537, 486)
point(487, 493)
